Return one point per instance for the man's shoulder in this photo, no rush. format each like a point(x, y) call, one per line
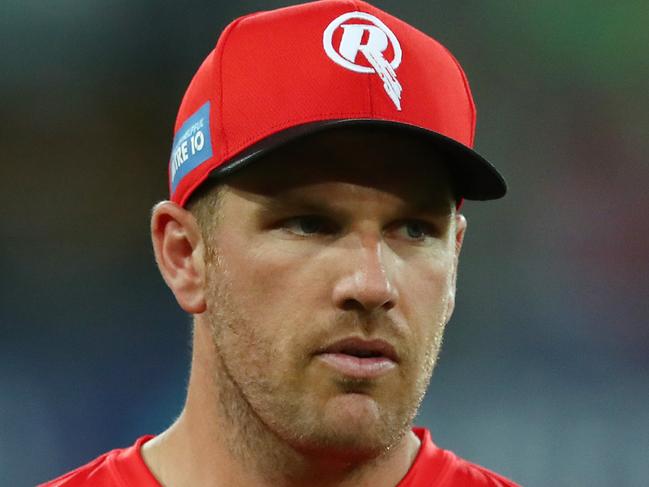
point(96, 471)
point(116, 468)
point(436, 467)
point(466, 473)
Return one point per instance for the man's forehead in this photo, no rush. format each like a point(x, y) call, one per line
point(337, 197)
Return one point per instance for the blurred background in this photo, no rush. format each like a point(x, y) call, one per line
point(544, 376)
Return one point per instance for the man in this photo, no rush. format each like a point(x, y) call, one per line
point(320, 158)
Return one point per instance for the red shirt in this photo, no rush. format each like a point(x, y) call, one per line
point(433, 467)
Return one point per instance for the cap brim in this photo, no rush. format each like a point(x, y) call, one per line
point(474, 177)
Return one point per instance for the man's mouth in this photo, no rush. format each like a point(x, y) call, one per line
point(359, 358)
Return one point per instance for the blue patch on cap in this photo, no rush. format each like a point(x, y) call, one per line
point(192, 145)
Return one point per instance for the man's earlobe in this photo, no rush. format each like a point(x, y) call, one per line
point(179, 253)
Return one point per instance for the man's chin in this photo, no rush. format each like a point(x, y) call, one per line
point(352, 428)
point(353, 410)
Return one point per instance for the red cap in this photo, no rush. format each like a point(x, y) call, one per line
point(276, 75)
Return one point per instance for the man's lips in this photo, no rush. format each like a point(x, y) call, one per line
point(359, 358)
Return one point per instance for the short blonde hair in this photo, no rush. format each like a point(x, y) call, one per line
point(205, 205)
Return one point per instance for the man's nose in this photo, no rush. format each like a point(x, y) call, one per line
point(365, 284)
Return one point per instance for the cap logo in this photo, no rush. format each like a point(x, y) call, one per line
point(192, 145)
point(359, 32)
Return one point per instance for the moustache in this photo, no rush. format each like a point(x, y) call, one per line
point(370, 327)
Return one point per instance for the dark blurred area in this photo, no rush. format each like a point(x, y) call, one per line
point(544, 375)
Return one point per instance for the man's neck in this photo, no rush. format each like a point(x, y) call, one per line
point(176, 460)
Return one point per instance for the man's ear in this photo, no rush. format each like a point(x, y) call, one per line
point(179, 253)
point(460, 229)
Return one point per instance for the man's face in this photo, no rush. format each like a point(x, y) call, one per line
point(339, 247)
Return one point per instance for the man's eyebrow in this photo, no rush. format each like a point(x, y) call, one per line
point(435, 204)
point(437, 207)
point(284, 203)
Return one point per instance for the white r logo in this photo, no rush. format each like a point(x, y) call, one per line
point(379, 38)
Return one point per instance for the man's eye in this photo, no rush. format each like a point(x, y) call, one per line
point(307, 225)
point(416, 230)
